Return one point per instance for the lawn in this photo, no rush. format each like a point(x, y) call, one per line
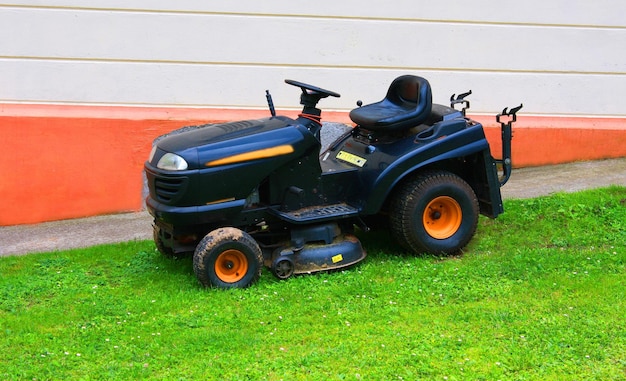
point(537, 295)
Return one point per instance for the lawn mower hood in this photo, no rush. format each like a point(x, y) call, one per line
point(232, 158)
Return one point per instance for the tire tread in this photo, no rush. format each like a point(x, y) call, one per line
point(406, 199)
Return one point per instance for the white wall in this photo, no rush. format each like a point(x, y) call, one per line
point(559, 57)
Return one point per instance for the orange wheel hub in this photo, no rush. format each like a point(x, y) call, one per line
point(231, 266)
point(442, 217)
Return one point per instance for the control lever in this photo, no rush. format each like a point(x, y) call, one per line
point(270, 102)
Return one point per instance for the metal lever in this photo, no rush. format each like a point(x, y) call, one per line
point(270, 103)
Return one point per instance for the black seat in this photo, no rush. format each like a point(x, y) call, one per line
point(408, 103)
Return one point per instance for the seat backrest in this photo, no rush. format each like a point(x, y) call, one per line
point(404, 89)
point(408, 103)
point(413, 94)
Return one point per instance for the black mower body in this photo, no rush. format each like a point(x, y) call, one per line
point(222, 186)
point(270, 179)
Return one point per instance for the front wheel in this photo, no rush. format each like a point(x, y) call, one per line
point(436, 212)
point(228, 258)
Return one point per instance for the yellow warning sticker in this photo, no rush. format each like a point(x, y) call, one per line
point(337, 258)
point(351, 158)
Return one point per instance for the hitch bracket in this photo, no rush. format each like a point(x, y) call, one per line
point(460, 99)
point(506, 119)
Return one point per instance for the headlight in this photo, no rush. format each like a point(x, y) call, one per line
point(152, 152)
point(172, 162)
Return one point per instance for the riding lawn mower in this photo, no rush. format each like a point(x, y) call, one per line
point(255, 193)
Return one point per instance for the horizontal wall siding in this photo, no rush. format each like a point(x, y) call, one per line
point(236, 87)
point(558, 57)
point(553, 12)
point(279, 40)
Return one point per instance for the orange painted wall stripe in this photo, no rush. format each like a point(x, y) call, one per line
point(61, 162)
point(554, 140)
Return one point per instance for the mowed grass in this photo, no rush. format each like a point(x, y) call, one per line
point(537, 295)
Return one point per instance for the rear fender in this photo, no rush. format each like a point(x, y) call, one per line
point(410, 164)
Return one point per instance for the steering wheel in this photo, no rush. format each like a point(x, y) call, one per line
point(312, 90)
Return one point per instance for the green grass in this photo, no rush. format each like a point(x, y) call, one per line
point(538, 295)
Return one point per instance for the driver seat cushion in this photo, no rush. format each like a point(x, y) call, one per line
point(408, 103)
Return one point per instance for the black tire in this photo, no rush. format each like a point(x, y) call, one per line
point(435, 212)
point(227, 258)
point(283, 267)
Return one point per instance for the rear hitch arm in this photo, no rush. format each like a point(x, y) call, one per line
point(506, 119)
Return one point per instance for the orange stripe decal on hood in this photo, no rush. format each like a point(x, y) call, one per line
point(253, 155)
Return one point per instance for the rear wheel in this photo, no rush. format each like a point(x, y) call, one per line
point(436, 213)
point(227, 258)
